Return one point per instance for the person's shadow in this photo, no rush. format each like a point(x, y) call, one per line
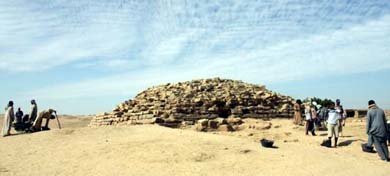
point(16, 134)
point(347, 143)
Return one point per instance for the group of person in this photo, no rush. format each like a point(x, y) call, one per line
point(27, 122)
point(315, 116)
point(333, 118)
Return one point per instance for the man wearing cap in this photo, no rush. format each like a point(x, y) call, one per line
point(377, 129)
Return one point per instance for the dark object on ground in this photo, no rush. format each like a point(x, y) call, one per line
point(45, 128)
point(22, 126)
point(326, 143)
point(267, 143)
point(368, 149)
point(25, 118)
point(346, 143)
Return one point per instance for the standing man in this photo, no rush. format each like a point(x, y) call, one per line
point(298, 112)
point(377, 129)
point(34, 111)
point(9, 117)
point(343, 116)
point(323, 115)
point(333, 123)
point(309, 120)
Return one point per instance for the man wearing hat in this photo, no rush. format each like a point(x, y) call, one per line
point(377, 129)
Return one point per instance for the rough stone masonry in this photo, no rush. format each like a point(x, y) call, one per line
point(186, 103)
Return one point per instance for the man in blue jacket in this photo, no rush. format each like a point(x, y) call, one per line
point(377, 129)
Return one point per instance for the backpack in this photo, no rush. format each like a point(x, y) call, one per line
point(326, 143)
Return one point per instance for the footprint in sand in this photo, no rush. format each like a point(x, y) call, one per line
point(3, 169)
point(203, 157)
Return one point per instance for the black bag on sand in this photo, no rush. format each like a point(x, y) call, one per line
point(368, 149)
point(326, 143)
point(267, 143)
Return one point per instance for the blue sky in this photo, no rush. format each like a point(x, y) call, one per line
point(84, 57)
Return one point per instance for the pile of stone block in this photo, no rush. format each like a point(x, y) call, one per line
point(185, 103)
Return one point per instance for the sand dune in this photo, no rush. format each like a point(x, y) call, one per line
point(155, 150)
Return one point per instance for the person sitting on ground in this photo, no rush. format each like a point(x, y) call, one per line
point(46, 114)
point(19, 115)
point(333, 123)
point(9, 117)
point(26, 118)
point(377, 129)
point(34, 111)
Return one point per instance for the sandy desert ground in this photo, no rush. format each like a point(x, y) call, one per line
point(154, 150)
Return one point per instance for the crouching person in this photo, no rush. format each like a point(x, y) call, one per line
point(46, 114)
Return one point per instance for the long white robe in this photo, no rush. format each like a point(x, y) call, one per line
point(9, 116)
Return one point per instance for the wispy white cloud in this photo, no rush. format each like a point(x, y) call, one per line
point(358, 49)
point(109, 64)
point(143, 43)
point(34, 40)
point(55, 33)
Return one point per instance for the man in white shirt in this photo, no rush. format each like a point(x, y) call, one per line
point(309, 120)
point(333, 121)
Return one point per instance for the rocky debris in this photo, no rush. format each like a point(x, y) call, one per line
point(245, 151)
point(226, 128)
point(218, 124)
point(217, 103)
point(263, 126)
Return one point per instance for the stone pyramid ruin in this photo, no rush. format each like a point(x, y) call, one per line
point(173, 105)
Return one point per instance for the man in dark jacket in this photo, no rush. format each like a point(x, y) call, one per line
point(34, 111)
point(19, 116)
point(377, 129)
